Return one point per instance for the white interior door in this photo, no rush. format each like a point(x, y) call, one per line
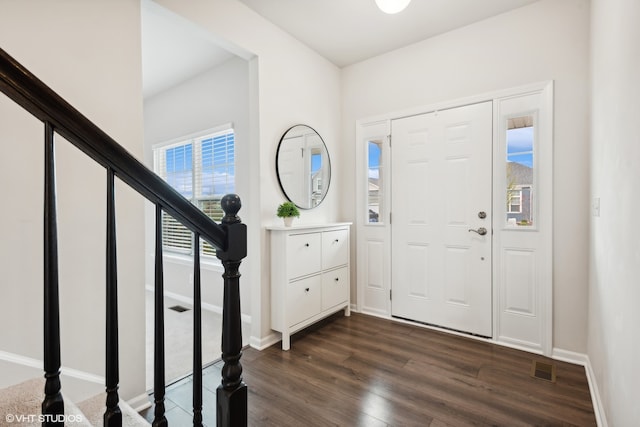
point(441, 202)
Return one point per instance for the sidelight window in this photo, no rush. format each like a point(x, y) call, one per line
point(520, 171)
point(375, 181)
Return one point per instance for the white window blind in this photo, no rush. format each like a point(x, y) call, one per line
point(202, 169)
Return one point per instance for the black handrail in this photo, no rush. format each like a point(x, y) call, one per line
point(229, 238)
point(33, 95)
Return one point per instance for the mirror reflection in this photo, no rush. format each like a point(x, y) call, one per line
point(303, 166)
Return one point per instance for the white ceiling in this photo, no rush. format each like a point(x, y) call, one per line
point(343, 31)
point(349, 31)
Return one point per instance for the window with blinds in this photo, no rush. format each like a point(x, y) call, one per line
point(202, 169)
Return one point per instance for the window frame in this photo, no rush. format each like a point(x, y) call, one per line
point(380, 143)
point(513, 196)
point(196, 140)
point(534, 208)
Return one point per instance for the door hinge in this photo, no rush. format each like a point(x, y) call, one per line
point(389, 217)
point(390, 295)
point(389, 138)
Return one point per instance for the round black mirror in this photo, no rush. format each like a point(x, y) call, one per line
point(303, 166)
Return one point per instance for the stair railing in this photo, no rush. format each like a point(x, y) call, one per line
point(229, 238)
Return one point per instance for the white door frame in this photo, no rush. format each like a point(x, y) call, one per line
point(378, 236)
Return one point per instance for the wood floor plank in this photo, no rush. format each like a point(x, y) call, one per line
point(367, 371)
point(372, 372)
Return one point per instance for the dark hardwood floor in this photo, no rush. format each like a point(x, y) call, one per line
point(366, 371)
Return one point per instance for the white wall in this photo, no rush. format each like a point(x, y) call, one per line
point(89, 52)
point(614, 291)
point(213, 98)
point(547, 40)
point(292, 85)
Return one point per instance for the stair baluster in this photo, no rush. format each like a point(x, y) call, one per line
point(232, 392)
point(53, 404)
point(159, 419)
point(113, 415)
point(229, 239)
point(197, 334)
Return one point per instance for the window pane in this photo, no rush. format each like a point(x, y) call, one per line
point(202, 170)
point(175, 165)
point(218, 171)
point(316, 176)
point(179, 169)
point(374, 178)
point(212, 208)
point(175, 236)
point(519, 170)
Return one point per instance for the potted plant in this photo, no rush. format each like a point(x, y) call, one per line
point(287, 211)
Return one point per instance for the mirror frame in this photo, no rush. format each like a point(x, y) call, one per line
point(326, 150)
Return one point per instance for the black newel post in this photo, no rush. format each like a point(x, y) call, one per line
point(232, 393)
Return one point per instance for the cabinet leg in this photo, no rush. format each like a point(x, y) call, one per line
point(347, 310)
point(286, 341)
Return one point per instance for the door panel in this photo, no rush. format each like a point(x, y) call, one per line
point(373, 229)
point(441, 168)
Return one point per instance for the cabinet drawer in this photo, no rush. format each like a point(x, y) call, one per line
point(335, 287)
point(303, 299)
point(303, 254)
point(335, 248)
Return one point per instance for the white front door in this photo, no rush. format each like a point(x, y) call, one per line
point(441, 204)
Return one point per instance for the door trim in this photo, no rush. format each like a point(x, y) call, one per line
point(545, 270)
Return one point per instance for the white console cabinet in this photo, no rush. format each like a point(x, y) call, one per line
point(309, 275)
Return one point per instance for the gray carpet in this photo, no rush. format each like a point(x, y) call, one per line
point(179, 339)
point(178, 336)
point(94, 408)
point(20, 404)
point(25, 399)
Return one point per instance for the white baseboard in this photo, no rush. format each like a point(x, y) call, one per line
point(205, 306)
point(140, 403)
point(77, 385)
point(570, 356)
point(377, 313)
point(519, 345)
point(598, 407)
point(262, 343)
point(38, 364)
point(583, 359)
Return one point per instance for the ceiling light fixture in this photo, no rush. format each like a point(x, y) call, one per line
point(392, 6)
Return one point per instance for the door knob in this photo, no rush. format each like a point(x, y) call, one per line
point(481, 231)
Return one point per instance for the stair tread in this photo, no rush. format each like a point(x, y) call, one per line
point(25, 399)
point(94, 408)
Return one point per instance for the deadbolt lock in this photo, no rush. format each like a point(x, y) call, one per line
point(482, 214)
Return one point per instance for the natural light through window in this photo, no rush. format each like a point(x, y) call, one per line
point(202, 169)
point(374, 180)
point(519, 170)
